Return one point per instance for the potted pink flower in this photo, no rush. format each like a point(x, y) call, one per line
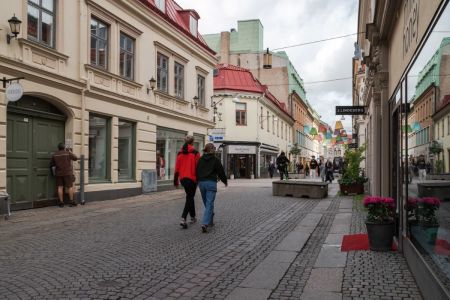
point(427, 224)
point(380, 222)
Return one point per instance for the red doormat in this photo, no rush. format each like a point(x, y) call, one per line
point(442, 247)
point(355, 242)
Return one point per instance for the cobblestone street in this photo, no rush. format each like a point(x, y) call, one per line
point(262, 247)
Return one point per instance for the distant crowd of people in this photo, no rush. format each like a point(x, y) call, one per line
point(313, 169)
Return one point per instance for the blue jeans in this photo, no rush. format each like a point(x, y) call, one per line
point(208, 189)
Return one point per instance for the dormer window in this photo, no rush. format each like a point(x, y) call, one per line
point(161, 5)
point(193, 25)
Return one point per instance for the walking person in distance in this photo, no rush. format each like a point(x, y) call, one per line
point(209, 171)
point(282, 164)
point(61, 163)
point(313, 167)
point(185, 173)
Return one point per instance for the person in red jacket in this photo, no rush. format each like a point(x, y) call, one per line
point(185, 173)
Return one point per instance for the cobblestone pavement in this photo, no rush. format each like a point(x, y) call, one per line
point(133, 248)
point(376, 275)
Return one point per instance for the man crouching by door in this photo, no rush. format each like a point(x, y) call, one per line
point(62, 165)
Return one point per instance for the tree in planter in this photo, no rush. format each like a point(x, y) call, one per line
point(352, 172)
point(295, 151)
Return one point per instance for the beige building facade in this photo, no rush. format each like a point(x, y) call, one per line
point(404, 88)
point(86, 68)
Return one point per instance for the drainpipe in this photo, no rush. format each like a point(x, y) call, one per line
point(82, 153)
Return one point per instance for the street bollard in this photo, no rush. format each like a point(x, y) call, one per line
point(5, 209)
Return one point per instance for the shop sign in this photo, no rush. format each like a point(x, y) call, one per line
point(213, 138)
point(241, 149)
point(14, 92)
point(353, 146)
point(350, 110)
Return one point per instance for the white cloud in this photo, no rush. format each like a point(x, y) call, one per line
point(288, 22)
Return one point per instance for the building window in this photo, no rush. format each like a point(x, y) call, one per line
point(268, 117)
point(201, 90)
point(126, 61)
point(273, 123)
point(282, 127)
point(179, 80)
point(99, 148)
point(161, 5)
point(41, 22)
point(162, 73)
point(241, 114)
point(193, 25)
point(99, 44)
point(127, 142)
point(442, 128)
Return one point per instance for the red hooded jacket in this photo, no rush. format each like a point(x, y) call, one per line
point(186, 164)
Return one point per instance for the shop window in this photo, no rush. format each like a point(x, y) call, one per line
point(168, 144)
point(426, 200)
point(199, 142)
point(127, 149)
point(99, 44)
point(268, 117)
point(179, 80)
point(126, 60)
point(41, 22)
point(241, 114)
point(162, 73)
point(99, 148)
point(201, 90)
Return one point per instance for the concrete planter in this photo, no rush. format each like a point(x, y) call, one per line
point(381, 236)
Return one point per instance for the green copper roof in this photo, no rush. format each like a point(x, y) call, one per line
point(430, 73)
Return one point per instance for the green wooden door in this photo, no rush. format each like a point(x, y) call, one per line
point(31, 142)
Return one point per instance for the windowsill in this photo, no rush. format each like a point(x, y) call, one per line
point(99, 181)
point(42, 47)
point(131, 180)
point(115, 76)
point(241, 124)
point(181, 100)
point(203, 108)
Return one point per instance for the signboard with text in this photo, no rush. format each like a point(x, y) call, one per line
point(241, 149)
point(350, 110)
point(353, 146)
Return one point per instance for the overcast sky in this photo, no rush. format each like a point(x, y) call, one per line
point(288, 22)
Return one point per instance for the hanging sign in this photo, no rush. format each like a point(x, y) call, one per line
point(353, 146)
point(14, 92)
point(350, 110)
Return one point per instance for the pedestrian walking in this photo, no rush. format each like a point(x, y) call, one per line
point(282, 163)
point(422, 166)
point(271, 168)
point(322, 171)
point(329, 171)
point(313, 167)
point(185, 173)
point(306, 170)
point(61, 165)
point(209, 170)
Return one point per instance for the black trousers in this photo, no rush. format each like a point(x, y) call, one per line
point(189, 207)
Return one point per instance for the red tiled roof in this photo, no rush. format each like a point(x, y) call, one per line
point(174, 17)
point(235, 78)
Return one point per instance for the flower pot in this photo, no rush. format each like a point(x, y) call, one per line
point(352, 189)
point(380, 235)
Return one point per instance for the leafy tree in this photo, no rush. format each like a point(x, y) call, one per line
point(352, 172)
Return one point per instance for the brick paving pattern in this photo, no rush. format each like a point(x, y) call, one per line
point(292, 284)
point(376, 275)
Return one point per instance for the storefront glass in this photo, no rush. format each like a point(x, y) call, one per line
point(168, 143)
point(427, 181)
point(126, 150)
point(99, 148)
point(199, 142)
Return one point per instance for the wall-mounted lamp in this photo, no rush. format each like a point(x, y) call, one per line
point(267, 60)
point(14, 24)
point(195, 103)
point(151, 85)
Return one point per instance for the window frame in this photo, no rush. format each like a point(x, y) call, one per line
point(127, 53)
point(241, 113)
point(159, 69)
point(106, 40)
point(193, 25)
point(108, 146)
point(133, 152)
point(41, 9)
point(161, 5)
point(201, 88)
point(178, 80)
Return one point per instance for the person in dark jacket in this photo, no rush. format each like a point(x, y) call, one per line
point(185, 173)
point(61, 163)
point(271, 169)
point(209, 170)
point(282, 164)
point(313, 165)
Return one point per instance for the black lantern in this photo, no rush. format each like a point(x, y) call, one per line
point(267, 60)
point(152, 85)
point(14, 24)
point(195, 102)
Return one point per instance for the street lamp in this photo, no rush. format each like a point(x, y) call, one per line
point(267, 60)
point(14, 24)
point(195, 103)
point(151, 85)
